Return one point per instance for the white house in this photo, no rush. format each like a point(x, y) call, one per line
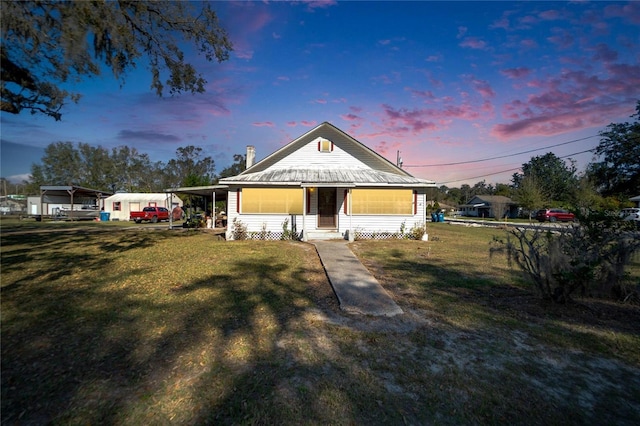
point(121, 204)
point(325, 184)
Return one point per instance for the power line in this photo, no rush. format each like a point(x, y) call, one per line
point(501, 156)
point(510, 170)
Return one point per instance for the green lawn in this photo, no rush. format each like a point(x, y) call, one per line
point(110, 325)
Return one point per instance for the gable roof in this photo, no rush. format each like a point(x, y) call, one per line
point(489, 199)
point(375, 170)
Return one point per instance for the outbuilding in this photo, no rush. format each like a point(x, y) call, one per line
point(121, 204)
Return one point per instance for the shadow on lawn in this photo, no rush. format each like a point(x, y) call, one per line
point(97, 353)
point(225, 349)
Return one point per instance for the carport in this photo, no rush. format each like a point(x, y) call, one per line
point(211, 193)
point(88, 200)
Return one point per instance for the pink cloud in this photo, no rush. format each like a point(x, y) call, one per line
point(320, 101)
point(308, 123)
point(500, 23)
point(629, 11)
point(350, 117)
point(388, 79)
point(243, 54)
point(529, 43)
point(263, 124)
point(291, 123)
point(571, 101)
point(604, 53)
point(550, 15)
point(434, 58)
point(483, 87)
point(383, 147)
point(561, 38)
point(473, 43)
point(319, 4)
point(423, 94)
point(519, 72)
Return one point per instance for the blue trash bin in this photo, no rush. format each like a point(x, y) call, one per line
point(440, 217)
point(434, 217)
point(104, 216)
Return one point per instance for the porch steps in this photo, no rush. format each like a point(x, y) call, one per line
point(329, 234)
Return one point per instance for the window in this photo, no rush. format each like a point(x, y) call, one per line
point(272, 200)
point(117, 206)
point(325, 145)
point(382, 201)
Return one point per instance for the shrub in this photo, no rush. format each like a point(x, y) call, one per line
point(417, 231)
point(239, 230)
point(590, 256)
point(286, 233)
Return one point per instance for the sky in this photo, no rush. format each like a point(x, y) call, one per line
point(441, 84)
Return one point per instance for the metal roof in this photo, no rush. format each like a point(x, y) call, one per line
point(76, 190)
point(203, 191)
point(321, 175)
point(378, 171)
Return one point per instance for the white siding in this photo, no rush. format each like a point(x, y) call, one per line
point(134, 201)
point(365, 223)
point(382, 223)
point(309, 157)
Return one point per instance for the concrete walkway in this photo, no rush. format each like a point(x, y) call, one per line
point(357, 290)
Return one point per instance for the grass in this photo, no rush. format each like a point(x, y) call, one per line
point(129, 325)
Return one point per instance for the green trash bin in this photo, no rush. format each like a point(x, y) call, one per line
point(104, 216)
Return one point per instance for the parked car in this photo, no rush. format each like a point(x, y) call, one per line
point(150, 214)
point(631, 214)
point(555, 215)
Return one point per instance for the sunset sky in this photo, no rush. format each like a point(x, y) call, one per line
point(444, 83)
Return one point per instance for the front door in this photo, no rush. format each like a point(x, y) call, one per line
point(326, 207)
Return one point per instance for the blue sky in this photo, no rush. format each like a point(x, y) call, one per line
point(441, 82)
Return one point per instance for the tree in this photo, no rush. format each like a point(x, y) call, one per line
point(46, 44)
point(239, 165)
point(132, 171)
point(190, 168)
point(556, 179)
point(618, 173)
point(503, 189)
point(528, 194)
point(61, 165)
point(124, 169)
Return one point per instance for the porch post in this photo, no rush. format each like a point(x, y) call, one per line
point(304, 213)
point(170, 208)
point(351, 236)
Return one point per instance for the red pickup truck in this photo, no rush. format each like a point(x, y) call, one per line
point(150, 214)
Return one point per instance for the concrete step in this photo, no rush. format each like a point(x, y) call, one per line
point(321, 235)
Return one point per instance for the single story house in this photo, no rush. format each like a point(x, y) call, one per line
point(121, 204)
point(324, 184)
point(497, 206)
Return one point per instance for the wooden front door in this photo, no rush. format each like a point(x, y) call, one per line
point(326, 207)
